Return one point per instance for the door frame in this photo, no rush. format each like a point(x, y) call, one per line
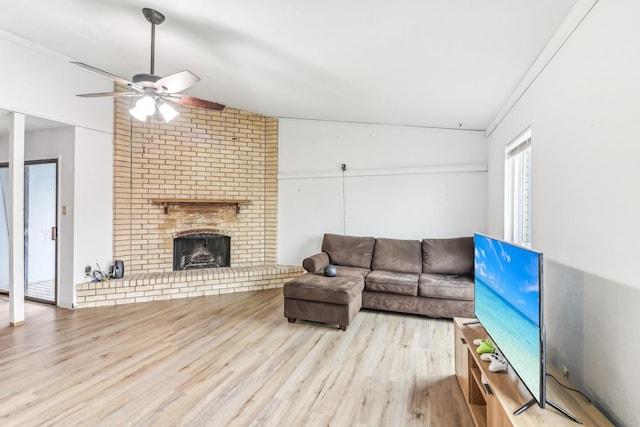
point(26, 259)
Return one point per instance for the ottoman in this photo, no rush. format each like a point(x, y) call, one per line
point(317, 298)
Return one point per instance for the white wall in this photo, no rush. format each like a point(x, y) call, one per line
point(401, 182)
point(93, 190)
point(41, 83)
point(583, 112)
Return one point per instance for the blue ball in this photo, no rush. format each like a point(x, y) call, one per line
point(330, 271)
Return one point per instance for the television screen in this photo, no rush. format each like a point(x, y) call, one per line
point(508, 295)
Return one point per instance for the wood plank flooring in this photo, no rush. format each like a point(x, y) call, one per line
point(229, 360)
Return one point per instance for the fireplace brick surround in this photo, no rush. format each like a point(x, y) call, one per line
point(200, 155)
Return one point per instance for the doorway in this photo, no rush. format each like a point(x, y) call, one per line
point(40, 230)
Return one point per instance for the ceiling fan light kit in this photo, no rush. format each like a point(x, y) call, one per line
point(149, 106)
point(167, 111)
point(145, 106)
point(154, 92)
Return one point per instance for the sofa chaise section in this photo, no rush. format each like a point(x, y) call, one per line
point(334, 300)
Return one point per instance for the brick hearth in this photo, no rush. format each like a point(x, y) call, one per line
point(182, 284)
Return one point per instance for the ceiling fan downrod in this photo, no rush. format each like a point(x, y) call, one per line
point(156, 18)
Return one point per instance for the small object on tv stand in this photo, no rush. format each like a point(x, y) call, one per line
point(485, 346)
point(485, 384)
point(498, 364)
point(486, 357)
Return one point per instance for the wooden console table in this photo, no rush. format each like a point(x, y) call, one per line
point(496, 409)
point(167, 202)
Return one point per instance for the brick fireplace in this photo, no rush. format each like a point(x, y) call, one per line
point(201, 155)
point(204, 161)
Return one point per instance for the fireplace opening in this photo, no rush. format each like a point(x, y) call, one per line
point(195, 251)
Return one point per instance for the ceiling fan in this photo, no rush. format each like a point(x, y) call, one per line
point(156, 93)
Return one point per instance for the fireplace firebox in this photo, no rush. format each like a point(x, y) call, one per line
point(195, 251)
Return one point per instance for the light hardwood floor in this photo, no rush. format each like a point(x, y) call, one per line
point(230, 360)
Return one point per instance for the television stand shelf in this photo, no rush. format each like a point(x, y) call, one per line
point(495, 408)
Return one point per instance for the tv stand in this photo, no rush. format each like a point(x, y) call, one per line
point(494, 397)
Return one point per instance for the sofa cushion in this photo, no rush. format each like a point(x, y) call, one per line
point(403, 256)
point(445, 286)
point(316, 287)
point(448, 256)
point(392, 282)
point(354, 272)
point(351, 251)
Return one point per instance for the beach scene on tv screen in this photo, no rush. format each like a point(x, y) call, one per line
point(507, 301)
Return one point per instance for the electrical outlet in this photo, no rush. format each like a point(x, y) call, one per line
point(343, 167)
point(565, 372)
point(87, 270)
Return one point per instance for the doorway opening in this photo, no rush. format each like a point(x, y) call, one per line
point(40, 230)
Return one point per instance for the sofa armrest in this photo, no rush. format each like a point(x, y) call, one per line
point(316, 263)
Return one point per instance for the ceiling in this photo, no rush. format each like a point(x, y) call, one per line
point(434, 63)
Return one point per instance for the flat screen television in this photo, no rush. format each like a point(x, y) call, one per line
point(508, 304)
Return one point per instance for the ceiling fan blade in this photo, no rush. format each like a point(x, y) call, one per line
point(108, 75)
point(191, 101)
point(114, 94)
point(177, 82)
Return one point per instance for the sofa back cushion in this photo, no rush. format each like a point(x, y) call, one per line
point(402, 256)
point(351, 251)
point(448, 256)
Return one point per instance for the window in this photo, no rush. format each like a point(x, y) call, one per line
point(517, 196)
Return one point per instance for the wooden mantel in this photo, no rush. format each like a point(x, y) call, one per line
point(167, 202)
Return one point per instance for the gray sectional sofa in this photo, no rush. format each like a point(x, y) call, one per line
point(432, 277)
